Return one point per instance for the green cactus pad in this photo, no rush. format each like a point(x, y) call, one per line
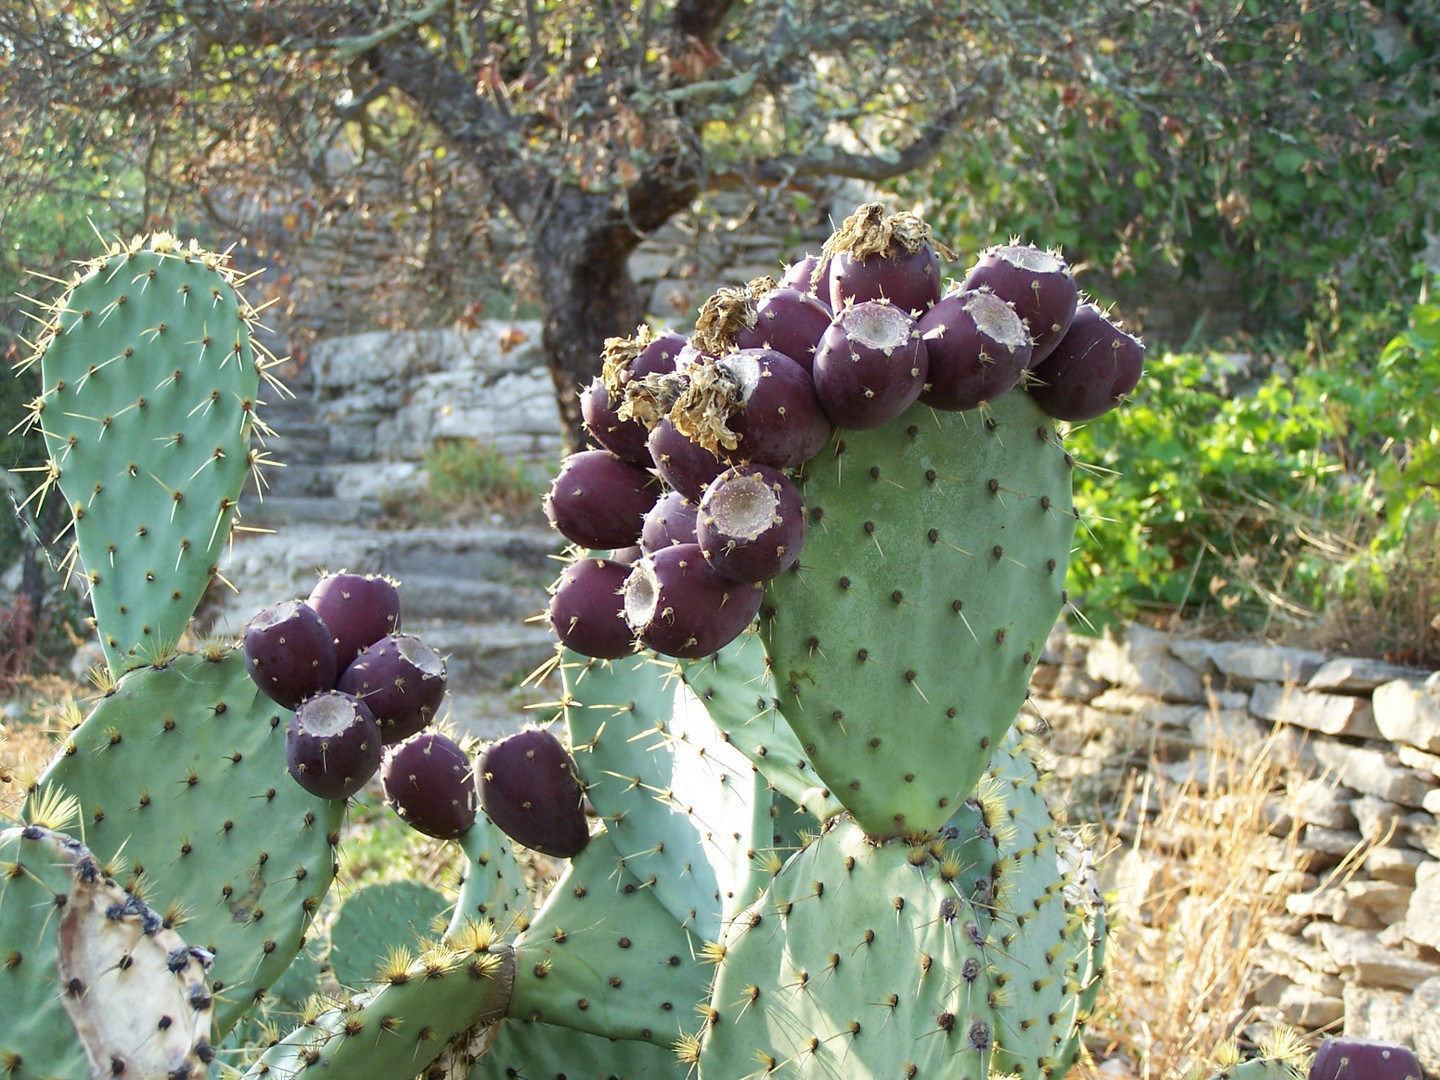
point(604, 956)
point(688, 813)
point(856, 963)
point(94, 983)
point(1031, 888)
point(180, 772)
point(543, 1051)
point(150, 389)
point(377, 917)
point(492, 885)
point(396, 1027)
point(736, 687)
point(933, 571)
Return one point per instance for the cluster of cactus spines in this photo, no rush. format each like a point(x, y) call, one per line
point(420, 999)
point(492, 884)
point(150, 381)
point(95, 982)
point(179, 774)
point(402, 913)
point(934, 570)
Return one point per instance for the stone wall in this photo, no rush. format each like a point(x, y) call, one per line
point(1358, 946)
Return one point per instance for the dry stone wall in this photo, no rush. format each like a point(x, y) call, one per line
point(1358, 946)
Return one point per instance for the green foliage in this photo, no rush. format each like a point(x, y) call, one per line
point(469, 476)
point(1296, 149)
point(1299, 491)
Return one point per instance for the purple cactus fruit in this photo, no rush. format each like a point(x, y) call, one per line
point(1091, 371)
point(599, 500)
point(871, 365)
point(332, 745)
point(290, 653)
point(779, 421)
point(879, 256)
point(680, 606)
point(1347, 1058)
point(659, 356)
point(804, 274)
point(359, 609)
point(752, 523)
point(683, 464)
point(402, 682)
point(428, 781)
point(586, 611)
point(623, 438)
point(977, 346)
point(789, 321)
point(1039, 284)
point(670, 521)
point(529, 787)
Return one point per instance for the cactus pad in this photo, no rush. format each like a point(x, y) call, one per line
point(934, 570)
point(150, 390)
point(686, 811)
point(94, 983)
point(605, 957)
point(180, 771)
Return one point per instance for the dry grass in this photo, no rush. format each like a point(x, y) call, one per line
point(42, 710)
point(1192, 874)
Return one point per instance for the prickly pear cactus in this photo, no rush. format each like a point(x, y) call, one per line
point(933, 571)
point(150, 393)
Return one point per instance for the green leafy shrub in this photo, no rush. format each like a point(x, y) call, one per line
point(468, 476)
point(1306, 496)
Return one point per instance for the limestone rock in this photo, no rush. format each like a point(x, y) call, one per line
point(1323, 803)
point(1357, 675)
point(1142, 661)
point(1362, 956)
point(1374, 772)
point(1393, 864)
point(1256, 663)
point(1422, 919)
point(1333, 714)
point(1408, 714)
point(1418, 1017)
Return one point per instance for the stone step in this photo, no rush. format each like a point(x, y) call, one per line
point(484, 656)
point(484, 574)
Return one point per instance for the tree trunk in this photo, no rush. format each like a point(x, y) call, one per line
point(587, 295)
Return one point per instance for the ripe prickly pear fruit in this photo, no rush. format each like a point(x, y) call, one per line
point(977, 347)
point(682, 463)
point(1092, 369)
point(871, 365)
point(402, 682)
point(359, 609)
point(428, 781)
point(752, 523)
point(680, 606)
point(290, 653)
point(623, 438)
point(1343, 1058)
point(1039, 284)
point(803, 274)
point(599, 500)
point(670, 521)
point(754, 405)
point(879, 256)
point(332, 745)
point(530, 789)
point(790, 321)
point(586, 611)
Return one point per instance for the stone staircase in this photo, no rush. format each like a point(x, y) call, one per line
point(471, 592)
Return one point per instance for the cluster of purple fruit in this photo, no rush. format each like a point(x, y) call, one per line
point(363, 694)
point(690, 487)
